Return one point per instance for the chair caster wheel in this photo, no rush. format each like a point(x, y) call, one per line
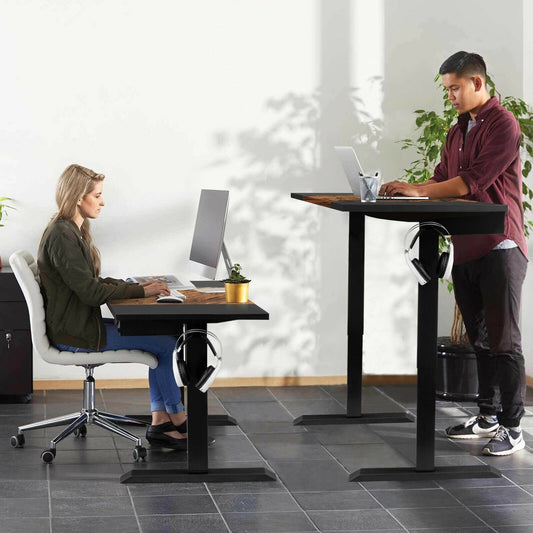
point(48, 455)
point(17, 441)
point(80, 432)
point(139, 453)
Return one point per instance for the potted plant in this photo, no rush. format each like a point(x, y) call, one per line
point(456, 356)
point(236, 286)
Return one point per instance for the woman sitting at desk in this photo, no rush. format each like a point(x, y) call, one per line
point(69, 267)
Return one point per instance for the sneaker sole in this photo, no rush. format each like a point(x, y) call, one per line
point(473, 436)
point(520, 446)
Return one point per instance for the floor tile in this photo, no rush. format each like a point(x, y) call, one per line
point(244, 394)
point(256, 502)
point(115, 524)
point(398, 499)
point(356, 456)
point(172, 505)
point(506, 515)
point(212, 523)
point(344, 434)
point(338, 500)
point(246, 487)
point(296, 393)
point(29, 525)
point(102, 506)
point(353, 520)
point(24, 508)
point(290, 446)
point(441, 517)
point(491, 496)
point(312, 475)
point(271, 522)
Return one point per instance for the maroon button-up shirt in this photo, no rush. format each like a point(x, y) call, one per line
point(488, 160)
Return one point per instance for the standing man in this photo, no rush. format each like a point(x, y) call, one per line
point(481, 161)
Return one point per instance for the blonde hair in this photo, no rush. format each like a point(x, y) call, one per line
point(74, 183)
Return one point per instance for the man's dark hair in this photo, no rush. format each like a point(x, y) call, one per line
point(464, 64)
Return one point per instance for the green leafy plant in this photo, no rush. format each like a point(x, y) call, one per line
point(433, 127)
point(4, 206)
point(236, 276)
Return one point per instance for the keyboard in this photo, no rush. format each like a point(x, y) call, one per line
point(175, 296)
point(182, 284)
point(211, 289)
point(402, 197)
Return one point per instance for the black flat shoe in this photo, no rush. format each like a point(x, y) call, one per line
point(182, 428)
point(156, 436)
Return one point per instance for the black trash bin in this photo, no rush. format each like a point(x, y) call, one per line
point(456, 372)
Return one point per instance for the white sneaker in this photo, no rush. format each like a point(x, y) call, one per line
point(505, 442)
point(476, 427)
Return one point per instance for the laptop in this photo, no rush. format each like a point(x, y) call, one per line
point(353, 170)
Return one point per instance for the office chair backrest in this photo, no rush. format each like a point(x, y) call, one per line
point(25, 269)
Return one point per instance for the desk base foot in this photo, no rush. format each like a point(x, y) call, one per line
point(366, 418)
point(213, 475)
point(440, 472)
point(212, 420)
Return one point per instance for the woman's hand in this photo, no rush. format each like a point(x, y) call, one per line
point(155, 288)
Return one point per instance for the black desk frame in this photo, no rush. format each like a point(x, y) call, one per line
point(459, 218)
point(163, 320)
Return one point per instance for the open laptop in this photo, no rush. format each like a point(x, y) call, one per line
point(353, 170)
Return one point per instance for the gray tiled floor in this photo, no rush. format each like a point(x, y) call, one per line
point(80, 490)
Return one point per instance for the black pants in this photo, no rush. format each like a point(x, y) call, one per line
point(488, 292)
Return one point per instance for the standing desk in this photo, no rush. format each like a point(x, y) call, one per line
point(460, 217)
point(144, 316)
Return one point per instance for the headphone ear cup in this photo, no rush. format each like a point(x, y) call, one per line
point(207, 379)
point(442, 264)
point(419, 271)
point(182, 369)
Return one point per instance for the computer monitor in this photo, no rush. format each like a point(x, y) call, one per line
point(208, 237)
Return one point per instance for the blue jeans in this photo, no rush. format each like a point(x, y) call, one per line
point(165, 395)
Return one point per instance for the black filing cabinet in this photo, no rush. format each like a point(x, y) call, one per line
point(16, 361)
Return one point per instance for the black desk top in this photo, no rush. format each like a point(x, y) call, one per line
point(145, 316)
point(460, 217)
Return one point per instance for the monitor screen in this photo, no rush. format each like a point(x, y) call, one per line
point(208, 234)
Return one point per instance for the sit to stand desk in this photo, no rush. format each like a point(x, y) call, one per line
point(144, 316)
point(460, 217)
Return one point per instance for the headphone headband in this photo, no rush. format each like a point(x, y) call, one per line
point(445, 261)
point(179, 361)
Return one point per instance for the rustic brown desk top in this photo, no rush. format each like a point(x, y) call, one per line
point(192, 298)
point(460, 217)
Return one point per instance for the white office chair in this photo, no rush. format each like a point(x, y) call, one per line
point(25, 270)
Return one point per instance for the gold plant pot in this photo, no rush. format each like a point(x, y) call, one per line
point(237, 293)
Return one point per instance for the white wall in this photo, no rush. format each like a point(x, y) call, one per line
point(171, 97)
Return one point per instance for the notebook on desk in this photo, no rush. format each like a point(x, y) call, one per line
point(353, 171)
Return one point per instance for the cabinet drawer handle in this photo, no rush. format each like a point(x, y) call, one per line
point(8, 340)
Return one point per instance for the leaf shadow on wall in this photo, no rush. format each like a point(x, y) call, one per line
point(279, 240)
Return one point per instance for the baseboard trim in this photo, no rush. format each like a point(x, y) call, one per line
point(282, 381)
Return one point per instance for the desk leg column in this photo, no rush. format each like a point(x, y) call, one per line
point(197, 455)
point(427, 354)
point(356, 309)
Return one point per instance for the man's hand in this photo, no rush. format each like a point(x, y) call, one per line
point(400, 188)
point(155, 288)
point(452, 188)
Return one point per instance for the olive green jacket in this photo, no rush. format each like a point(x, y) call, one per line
point(71, 290)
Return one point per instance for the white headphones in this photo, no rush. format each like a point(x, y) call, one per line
point(179, 359)
point(445, 261)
